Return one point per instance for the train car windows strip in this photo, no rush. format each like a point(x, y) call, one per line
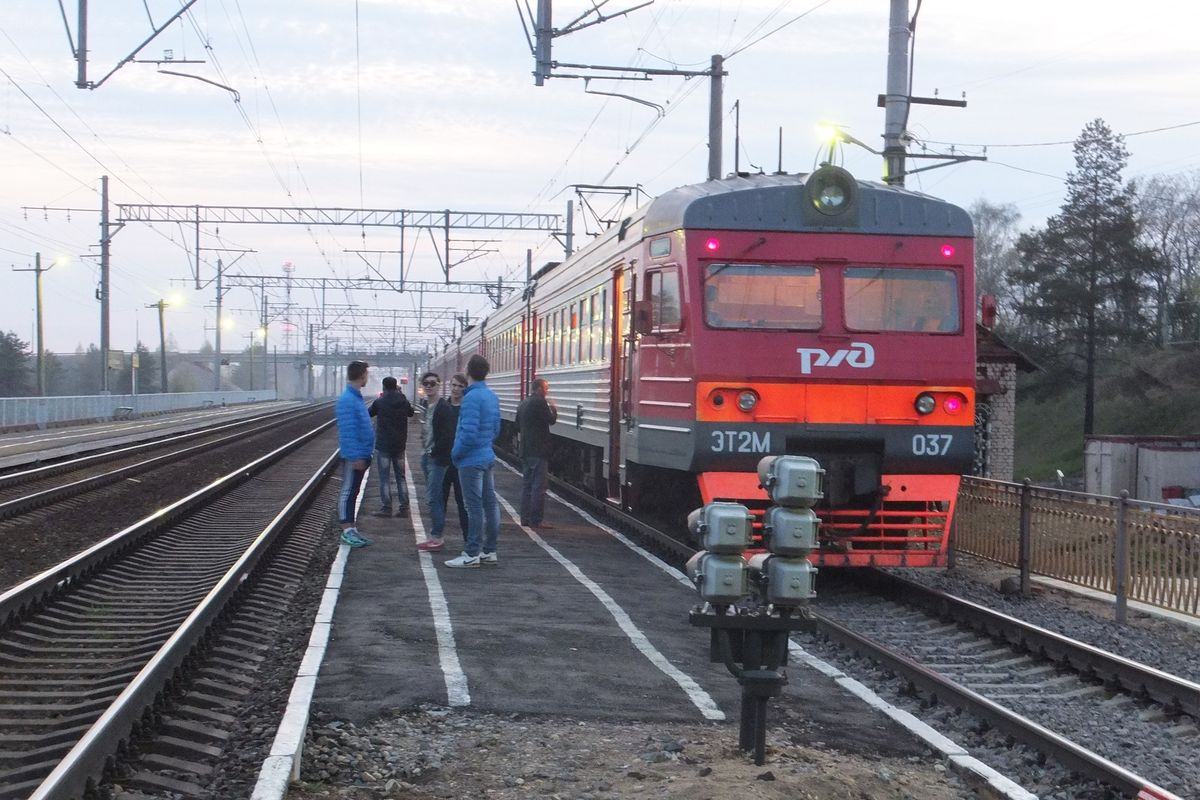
point(770, 296)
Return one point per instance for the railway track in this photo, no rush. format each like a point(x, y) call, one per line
point(91, 649)
point(1006, 673)
point(39, 487)
point(1104, 717)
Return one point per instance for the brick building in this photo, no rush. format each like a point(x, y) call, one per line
point(996, 368)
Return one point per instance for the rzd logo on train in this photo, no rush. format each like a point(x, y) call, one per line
point(859, 355)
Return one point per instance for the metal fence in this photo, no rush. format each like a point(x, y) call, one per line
point(1132, 549)
point(40, 412)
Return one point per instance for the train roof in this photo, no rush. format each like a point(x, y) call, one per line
point(778, 203)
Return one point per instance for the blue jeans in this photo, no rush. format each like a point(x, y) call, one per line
point(351, 481)
point(438, 483)
point(385, 464)
point(483, 512)
point(533, 491)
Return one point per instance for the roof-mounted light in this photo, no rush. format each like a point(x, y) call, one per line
point(831, 190)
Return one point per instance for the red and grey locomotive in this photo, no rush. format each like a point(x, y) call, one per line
point(805, 314)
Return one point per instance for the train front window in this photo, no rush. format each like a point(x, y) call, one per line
point(913, 300)
point(771, 296)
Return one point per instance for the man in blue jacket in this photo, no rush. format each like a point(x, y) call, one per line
point(478, 426)
point(356, 440)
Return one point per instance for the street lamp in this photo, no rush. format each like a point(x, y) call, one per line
point(37, 269)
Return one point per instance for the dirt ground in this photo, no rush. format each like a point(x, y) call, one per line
point(443, 753)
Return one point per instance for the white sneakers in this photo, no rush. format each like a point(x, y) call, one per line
point(465, 560)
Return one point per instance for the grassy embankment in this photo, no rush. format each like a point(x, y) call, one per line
point(1151, 393)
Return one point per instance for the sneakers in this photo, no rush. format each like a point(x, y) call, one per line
point(489, 558)
point(383, 512)
point(543, 526)
point(431, 544)
point(463, 561)
point(403, 512)
point(352, 538)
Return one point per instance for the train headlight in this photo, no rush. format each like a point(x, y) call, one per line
point(954, 404)
point(925, 403)
point(831, 190)
point(747, 400)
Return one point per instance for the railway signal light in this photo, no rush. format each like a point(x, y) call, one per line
point(784, 575)
point(722, 527)
point(719, 571)
point(750, 638)
point(792, 481)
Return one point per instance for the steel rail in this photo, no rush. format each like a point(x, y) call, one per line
point(57, 468)
point(35, 500)
point(1132, 676)
point(86, 761)
point(1024, 730)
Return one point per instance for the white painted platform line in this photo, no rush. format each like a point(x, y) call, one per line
point(700, 698)
point(456, 680)
point(952, 752)
point(282, 765)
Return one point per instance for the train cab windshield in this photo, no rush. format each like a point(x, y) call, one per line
point(759, 296)
point(909, 300)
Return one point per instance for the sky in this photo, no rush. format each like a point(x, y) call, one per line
point(431, 105)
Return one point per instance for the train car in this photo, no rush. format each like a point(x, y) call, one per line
point(810, 314)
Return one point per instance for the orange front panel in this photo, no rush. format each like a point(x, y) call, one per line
point(836, 403)
point(910, 528)
point(819, 403)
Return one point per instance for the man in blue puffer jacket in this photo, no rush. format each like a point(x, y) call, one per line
point(478, 426)
point(356, 440)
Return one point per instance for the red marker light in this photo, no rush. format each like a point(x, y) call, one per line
point(953, 405)
point(712, 244)
point(947, 251)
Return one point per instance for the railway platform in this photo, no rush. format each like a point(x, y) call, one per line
point(575, 622)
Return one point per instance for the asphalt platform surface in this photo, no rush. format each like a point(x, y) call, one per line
point(572, 621)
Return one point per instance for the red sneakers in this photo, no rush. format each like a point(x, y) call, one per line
point(431, 544)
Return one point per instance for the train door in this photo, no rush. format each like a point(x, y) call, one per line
point(619, 384)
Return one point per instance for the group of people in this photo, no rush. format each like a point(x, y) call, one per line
point(457, 433)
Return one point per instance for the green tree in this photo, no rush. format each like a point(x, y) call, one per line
point(1082, 279)
point(996, 254)
point(16, 367)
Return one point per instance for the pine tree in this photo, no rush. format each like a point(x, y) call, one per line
point(1083, 278)
point(16, 373)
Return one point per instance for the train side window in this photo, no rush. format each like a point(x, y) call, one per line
point(604, 323)
point(584, 327)
point(662, 289)
point(896, 299)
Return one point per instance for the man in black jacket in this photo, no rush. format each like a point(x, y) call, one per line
point(535, 415)
point(391, 411)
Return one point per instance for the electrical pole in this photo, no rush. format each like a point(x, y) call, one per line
point(896, 101)
point(103, 291)
point(715, 102)
point(251, 335)
point(162, 346)
point(217, 333)
point(41, 344)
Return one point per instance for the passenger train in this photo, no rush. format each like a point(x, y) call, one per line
point(809, 314)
